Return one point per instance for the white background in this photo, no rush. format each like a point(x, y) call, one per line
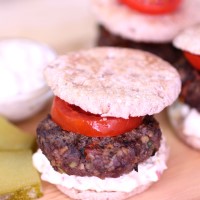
point(63, 24)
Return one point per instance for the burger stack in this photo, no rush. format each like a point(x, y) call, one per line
point(185, 113)
point(101, 140)
point(146, 25)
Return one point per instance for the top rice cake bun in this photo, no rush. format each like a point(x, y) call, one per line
point(189, 40)
point(115, 82)
point(133, 25)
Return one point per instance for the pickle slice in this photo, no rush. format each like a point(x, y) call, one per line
point(19, 180)
point(12, 138)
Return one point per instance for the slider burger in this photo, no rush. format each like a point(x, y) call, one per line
point(185, 113)
point(101, 140)
point(145, 24)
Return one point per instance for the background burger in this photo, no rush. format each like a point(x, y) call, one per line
point(185, 113)
point(145, 24)
point(101, 140)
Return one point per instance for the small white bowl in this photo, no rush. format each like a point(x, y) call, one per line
point(23, 90)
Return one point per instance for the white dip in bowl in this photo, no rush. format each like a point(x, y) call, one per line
point(23, 90)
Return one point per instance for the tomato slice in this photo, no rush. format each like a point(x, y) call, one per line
point(193, 59)
point(72, 118)
point(153, 6)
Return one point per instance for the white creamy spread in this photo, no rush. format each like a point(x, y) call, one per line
point(188, 117)
point(21, 64)
point(186, 121)
point(192, 123)
point(148, 172)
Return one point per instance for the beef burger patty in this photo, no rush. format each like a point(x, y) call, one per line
point(76, 154)
point(190, 78)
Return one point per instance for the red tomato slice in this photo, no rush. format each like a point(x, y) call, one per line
point(73, 118)
point(153, 6)
point(193, 59)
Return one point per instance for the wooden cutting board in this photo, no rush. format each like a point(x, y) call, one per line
point(181, 181)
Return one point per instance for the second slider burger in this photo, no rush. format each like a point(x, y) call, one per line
point(101, 140)
point(185, 113)
point(150, 25)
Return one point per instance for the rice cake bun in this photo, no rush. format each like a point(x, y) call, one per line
point(101, 80)
point(115, 82)
point(189, 40)
point(92, 195)
point(93, 188)
point(119, 19)
point(186, 122)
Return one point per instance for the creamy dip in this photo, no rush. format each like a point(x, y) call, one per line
point(186, 121)
point(21, 65)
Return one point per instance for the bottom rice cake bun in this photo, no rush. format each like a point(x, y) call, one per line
point(101, 130)
point(186, 122)
point(94, 188)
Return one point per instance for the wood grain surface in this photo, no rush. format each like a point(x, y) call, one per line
point(181, 181)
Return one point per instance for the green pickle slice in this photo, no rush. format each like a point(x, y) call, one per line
point(19, 180)
point(12, 138)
